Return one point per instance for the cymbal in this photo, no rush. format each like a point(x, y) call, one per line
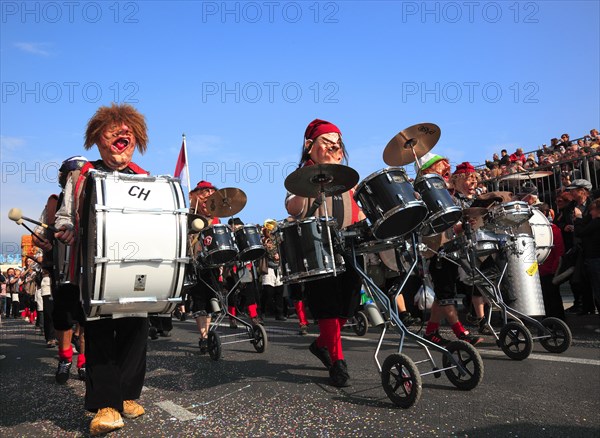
point(421, 137)
point(527, 175)
point(474, 212)
point(309, 181)
point(226, 202)
point(487, 199)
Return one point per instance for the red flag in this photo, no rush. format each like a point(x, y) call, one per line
point(181, 162)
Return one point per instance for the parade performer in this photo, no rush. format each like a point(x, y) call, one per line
point(332, 300)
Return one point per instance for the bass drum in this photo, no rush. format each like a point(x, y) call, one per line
point(539, 227)
point(133, 247)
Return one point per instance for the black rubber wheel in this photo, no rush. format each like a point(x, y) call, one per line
point(361, 326)
point(401, 380)
point(560, 335)
point(515, 340)
point(260, 340)
point(214, 345)
point(468, 357)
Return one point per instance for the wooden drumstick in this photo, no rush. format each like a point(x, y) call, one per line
point(15, 214)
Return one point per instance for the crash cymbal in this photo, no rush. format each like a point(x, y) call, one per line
point(487, 199)
point(226, 202)
point(309, 181)
point(474, 212)
point(526, 175)
point(421, 137)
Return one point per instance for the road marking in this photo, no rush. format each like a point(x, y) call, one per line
point(179, 412)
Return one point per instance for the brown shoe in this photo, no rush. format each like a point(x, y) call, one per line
point(106, 420)
point(132, 409)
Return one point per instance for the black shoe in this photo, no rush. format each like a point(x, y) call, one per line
point(484, 329)
point(408, 320)
point(280, 318)
point(575, 308)
point(153, 333)
point(321, 353)
point(203, 344)
point(81, 373)
point(63, 372)
point(338, 374)
point(182, 317)
point(76, 343)
point(436, 338)
point(303, 330)
point(470, 339)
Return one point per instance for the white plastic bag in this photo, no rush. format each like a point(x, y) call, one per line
point(424, 297)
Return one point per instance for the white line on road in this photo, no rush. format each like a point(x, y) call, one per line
point(176, 411)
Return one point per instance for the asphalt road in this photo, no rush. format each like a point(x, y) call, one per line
point(284, 391)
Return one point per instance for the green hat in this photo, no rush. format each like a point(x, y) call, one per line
point(428, 160)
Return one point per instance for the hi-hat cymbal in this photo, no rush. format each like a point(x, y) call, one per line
point(226, 202)
point(527, 175)
point(474, 212)
point(332, 179)
point(422, 138)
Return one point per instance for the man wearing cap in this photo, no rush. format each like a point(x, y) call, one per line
point(200, 292)
point(444, 273)
point(580, 285)
point(332, 300)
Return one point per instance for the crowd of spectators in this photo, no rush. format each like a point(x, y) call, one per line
point(562, 152)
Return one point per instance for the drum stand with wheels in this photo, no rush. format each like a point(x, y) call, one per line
point(514, 338)
point(257, 334)
point(400, 376)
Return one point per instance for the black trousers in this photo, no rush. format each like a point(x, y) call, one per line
point(115, 351)
point(553, 303)
point(49, 332)
point(273, 300)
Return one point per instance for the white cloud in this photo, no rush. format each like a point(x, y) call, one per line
point(34, 48)
point(8, 144)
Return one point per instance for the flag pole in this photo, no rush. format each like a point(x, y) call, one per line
point(187, 163)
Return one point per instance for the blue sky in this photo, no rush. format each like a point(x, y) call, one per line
point(243, 79)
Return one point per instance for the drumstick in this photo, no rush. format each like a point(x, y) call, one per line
point(15, 214)
point(196, 207)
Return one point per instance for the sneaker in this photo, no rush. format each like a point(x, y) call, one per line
point(153, 333)
point(203, 344)
point(408, 320)
point(467, 337)
point(338, 374)
point(63, 372)
point(51, 343)
point(81, 373)
point(321, 353)
point(106, 420)
point(132, 409)
point(436, 338)
point(303, 330)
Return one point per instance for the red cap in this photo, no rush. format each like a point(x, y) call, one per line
point(204, 185)
point(465, 167)
point(319, 127)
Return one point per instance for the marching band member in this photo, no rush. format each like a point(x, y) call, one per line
point(201, 292)
point(115, 347)
point(270, 276)
point(444, 273)
point(332, 300)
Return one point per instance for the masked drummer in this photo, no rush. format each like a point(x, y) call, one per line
point(444, 273)
point(204, 289)
point(334, 299)
point(115, 348)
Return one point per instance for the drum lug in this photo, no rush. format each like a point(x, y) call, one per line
point(368, 189)
point(389, 177)
point(305, 264)
point(400, 198)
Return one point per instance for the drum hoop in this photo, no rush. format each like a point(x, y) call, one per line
point(393, 211)
point(379, 172)
point(450, 209)
point(428, 176)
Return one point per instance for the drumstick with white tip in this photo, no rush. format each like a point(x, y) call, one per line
point(15, 214)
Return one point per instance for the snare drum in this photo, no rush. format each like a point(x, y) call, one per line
point(217, 245)
point(133, 244)
point(389, 201)
point(361, 237)
point(249, 243)
point(540, 228)
point(509, 214)
point(305, 250)
point(486, 243)
point(443, 212)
